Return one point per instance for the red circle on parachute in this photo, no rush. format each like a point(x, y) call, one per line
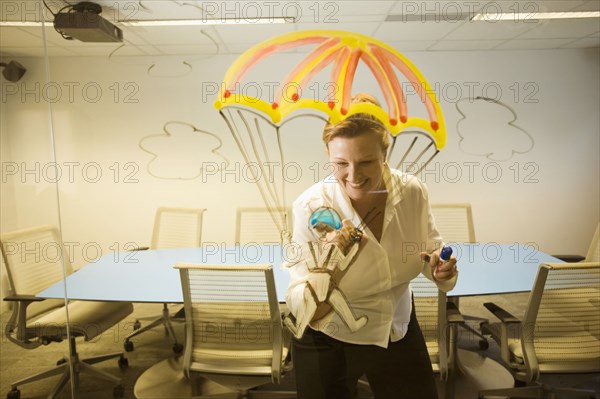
point(274, 105)
point(435, 125)
point(393, 122)
point(295, 97)
point(403, 119)
point(331, 104)
point(227, 94)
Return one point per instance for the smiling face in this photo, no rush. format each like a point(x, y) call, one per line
point(358, 163)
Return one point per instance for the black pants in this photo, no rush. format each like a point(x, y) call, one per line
point(328, 368)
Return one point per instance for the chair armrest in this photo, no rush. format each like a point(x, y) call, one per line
point(503, 315)
point(18, 320)
point(23, 298)
point(453, 315)
point(570, 258)
point(139, 249)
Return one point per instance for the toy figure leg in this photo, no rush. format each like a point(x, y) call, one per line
point(304, 316)
point(340, 305)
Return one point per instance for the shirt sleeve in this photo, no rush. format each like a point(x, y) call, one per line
point(434, 242)
point(297, 267)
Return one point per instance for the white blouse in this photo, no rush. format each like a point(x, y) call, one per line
point(377, 281)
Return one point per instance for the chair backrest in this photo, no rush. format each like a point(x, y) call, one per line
point(35, 259)
point(430, 308)
point(177, 228)
point(454, 222)
point(259, 225)
point(593, 254)
point(561, 325)
point(233, 322)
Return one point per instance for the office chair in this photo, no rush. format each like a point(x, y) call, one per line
point(260, 226)
point(455, 224)
point(35, 259)
point(559, 332)
point(234, 331)
point(173, 228)
point(438, 319)
point(593, 254)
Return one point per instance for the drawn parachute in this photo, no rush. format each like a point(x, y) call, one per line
point(341, 53)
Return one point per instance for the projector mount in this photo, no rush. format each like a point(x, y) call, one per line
point(82, 21)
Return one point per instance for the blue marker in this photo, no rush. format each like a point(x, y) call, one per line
point(446, 253)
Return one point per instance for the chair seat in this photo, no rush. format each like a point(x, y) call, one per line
point(86, 318)
point(572, 346)
point(250, 360)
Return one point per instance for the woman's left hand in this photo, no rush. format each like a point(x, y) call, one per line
point(344, 238)
point(441, 270)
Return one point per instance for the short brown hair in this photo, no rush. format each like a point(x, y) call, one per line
point(358, 124)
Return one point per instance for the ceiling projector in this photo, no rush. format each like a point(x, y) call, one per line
point(82, 21)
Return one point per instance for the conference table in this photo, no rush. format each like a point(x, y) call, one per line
point(149, 276)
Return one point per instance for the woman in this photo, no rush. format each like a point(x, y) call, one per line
point(393, 211)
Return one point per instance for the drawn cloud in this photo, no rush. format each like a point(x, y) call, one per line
point(487, 129)
point(182, 152)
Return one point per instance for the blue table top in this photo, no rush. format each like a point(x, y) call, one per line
point(149, 276)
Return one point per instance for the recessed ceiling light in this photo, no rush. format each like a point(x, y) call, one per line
point(175, 22)
point(202, 22)
point(25, 23)
point(532, 16)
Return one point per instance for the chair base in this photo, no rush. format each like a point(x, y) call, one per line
point(165, 319)
point(79, 366)
point(167, 380)
point(539, 392)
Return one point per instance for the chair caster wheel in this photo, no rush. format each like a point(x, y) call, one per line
point(177, 348)
point(13, 394)
point(123, 362)
point(483, 344)
point(128, 346)
point(118, 391)
point(137, 325)
point(61, 361)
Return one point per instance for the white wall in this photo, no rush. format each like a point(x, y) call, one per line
point(548, 195)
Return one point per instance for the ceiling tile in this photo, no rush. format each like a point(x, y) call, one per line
point(394, 31)
point(411, 45)
point(21, 51)
point(471, 30)
point(526, 7)
point(368, 28)
point(189, 49)
point(129, 49)
point(465, 45)
point(524, 44)
point(326, 12)
point(232, 34)
point(161, 35)
point(563, 28)
point(593, 5)
point(564, 5)
point(100, 51)
point(25, 37)
point(586, 42)
point(445, 10)
point(360, 7)
point(238, 48)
